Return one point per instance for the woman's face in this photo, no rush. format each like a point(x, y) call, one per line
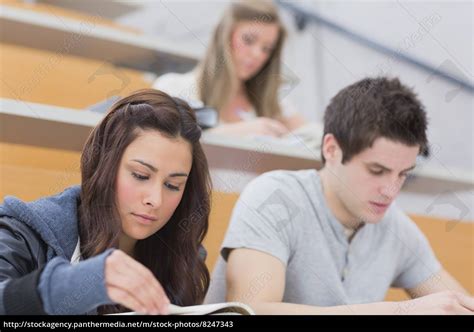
point(150, 182)
point(252, 44)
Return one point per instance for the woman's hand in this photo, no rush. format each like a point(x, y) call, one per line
point(132, 285)
point(258, 126)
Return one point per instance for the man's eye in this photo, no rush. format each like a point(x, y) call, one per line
point(139, 176)
point(379, 172)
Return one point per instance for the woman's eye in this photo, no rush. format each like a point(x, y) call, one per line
point(171, 187)
point(247, 39)
point(139, 176)
point(268, 50)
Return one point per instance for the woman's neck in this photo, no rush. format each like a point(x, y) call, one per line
point(238, 102)
point(240, 89)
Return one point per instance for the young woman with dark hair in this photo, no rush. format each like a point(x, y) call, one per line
point(129, 237)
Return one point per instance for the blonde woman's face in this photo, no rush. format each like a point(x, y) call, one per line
point(150, 183)
point(252, 44)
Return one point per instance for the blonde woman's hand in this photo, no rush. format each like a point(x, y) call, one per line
point(259, 126)
point(132, 285)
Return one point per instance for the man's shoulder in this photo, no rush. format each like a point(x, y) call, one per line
point(285, 178)
point(281, 187)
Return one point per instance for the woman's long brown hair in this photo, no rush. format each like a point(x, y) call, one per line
point(172, 253)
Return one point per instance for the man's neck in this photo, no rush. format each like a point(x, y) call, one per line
point(334, 203)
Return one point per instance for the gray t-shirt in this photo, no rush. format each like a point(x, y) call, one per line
point(284, 214)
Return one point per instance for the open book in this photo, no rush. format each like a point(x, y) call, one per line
point(227, 308)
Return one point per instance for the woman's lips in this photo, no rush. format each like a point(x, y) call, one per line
point(144, 219)
point(249, 66)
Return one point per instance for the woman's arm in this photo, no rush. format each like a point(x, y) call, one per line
point(259, 126)
point(294, 121)
point(72, 289)
point(21, 260)
point(30, 285)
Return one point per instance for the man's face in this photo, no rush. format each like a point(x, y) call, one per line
point(368, 183)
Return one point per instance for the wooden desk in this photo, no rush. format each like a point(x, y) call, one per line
point(60, 79)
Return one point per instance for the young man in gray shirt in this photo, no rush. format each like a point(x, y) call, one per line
point(333, 241)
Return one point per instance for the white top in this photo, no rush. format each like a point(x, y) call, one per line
point(185, 86)
point(76, 256)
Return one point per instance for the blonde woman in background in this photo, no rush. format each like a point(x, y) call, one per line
point(240, 75)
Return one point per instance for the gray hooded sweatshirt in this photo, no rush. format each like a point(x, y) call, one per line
point(63, 288)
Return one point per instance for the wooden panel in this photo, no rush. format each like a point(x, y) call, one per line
point(32, 172)
point(60, 79)
point(221, 209)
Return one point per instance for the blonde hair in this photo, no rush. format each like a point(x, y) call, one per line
point(216, 74)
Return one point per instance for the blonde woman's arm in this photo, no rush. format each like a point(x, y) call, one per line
point(291, 118)
point(294, 121)
point(259, 126)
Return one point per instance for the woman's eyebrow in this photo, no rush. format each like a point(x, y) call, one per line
point(154, 169)
point(172, 175)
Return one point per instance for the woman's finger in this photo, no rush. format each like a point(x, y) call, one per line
point(145, 283)
point(134, 278)
point(124, 298)
point(278, 128)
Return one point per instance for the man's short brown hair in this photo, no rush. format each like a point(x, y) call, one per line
point(373, 108)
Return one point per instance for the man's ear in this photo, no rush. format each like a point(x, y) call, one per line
point(331, 150)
